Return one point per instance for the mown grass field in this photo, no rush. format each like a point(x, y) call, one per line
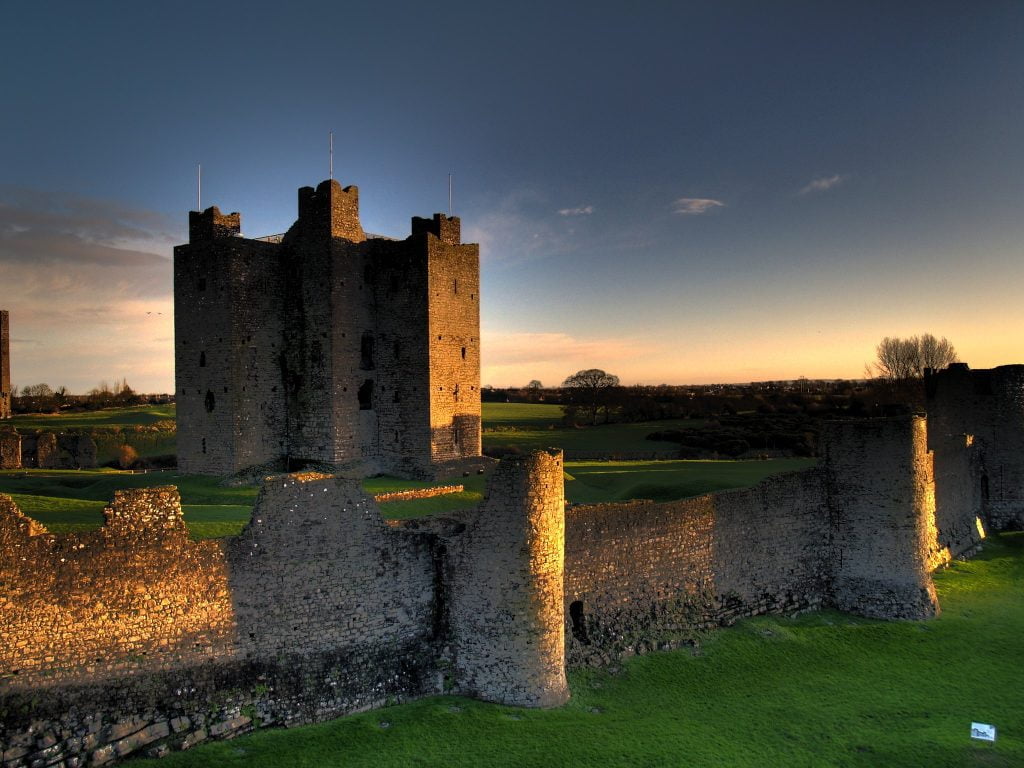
point(74, 500)
point(525, 427)
point(821, 689)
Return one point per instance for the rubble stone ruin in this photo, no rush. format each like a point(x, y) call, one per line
point(5, 364)
point(326, 344)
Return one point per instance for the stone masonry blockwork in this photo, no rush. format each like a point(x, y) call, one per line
point(134, 636)
point(324, 345)
point(5, 364)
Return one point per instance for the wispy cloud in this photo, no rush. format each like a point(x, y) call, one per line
point(823, 184)
point(88, 284)
point(694, 206)
point(521, 229)
point(585, 210)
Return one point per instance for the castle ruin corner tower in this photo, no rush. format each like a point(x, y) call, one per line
point(326, 344)
point(5, 364)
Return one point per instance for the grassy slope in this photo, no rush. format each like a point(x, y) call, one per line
point(822, 689)
point(67, 501)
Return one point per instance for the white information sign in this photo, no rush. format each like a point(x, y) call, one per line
point(983, 731)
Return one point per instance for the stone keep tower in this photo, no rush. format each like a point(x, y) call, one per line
point(326, 344)
point(5, 364)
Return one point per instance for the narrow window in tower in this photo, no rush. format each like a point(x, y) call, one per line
point(366, 352)
point(210, 402)
point(366, 396)
point(202, 359)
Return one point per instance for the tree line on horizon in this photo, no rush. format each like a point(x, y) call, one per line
point(894, 384)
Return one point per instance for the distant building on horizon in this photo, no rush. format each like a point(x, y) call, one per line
point(5, 364)
point(325, 344)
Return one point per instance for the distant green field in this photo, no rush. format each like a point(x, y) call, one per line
point(820, 689)
point(149, 429)
point(526, 427)
point(74, 500)
point(108, 417)
point(590, 482)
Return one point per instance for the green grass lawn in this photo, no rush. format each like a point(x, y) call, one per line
point(73, 500)
point(144, 415)
point(821, 689)
point(525, 427)
point(591, 482)
point(149, 429)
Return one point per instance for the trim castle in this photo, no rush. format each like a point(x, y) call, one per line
point(326, 345)
point(135, 639)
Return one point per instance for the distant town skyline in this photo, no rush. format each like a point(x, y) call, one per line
point(676, 193)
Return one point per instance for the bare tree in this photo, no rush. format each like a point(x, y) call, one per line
point(592, 385)
point(935, 353)
point(902, 359)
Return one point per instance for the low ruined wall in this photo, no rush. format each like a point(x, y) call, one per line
point(134, 635)
point(46, 450)
point(643, 575)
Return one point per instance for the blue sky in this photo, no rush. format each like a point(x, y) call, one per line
point(675, 192)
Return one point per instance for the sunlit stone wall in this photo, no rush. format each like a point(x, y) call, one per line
point(506, 576)
point(881, 496)
point(135, 638)
point(858, 532)
point(645, 575)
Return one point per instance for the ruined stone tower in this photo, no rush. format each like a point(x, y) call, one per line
point(5, 364)
point(326, 344)
point(983, 409)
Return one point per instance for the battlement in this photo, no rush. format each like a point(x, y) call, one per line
point(447, 230)
point(333, 209)
point(211, 224)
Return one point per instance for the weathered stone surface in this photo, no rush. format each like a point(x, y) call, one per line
point(5, 364)
point(133, 637)
point(983, 409)
point(326, 346)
